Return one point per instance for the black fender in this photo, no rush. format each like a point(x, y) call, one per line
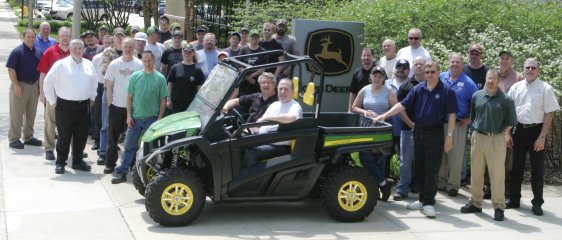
point(337, 154)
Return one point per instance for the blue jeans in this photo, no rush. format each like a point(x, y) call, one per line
point(406, 161)
point(103, 130)
point(132, 142)
point(374, 163)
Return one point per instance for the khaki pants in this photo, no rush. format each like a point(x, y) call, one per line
point(451, 165)
point(487, 151)
point(20, 107)
point(50, 125)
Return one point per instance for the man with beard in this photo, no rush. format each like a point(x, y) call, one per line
point(207, 57)
point(92, 48)
point(361, 75)
point(288, 42)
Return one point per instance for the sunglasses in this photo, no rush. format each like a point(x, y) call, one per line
point(530, 68)
point(414, 38)
point(432, 72)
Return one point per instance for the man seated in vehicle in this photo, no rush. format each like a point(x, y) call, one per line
point(284, 111)
point(256, 103)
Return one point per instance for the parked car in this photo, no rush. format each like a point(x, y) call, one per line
point(65, 9)
point(43, 5)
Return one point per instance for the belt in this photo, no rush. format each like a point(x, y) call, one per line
point(73, 101)
point(532, 125)
point(29, 82)
point(487, 133)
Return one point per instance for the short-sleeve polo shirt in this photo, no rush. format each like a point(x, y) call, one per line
point(50, 56)
point(21, 59)
point(491, 114)
point(533, 100)
point(464, 88)
point(431, 108)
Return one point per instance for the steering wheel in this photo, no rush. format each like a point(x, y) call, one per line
point(239, 118)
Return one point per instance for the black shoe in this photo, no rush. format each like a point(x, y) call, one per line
point(108, 170)
point(509, 204)
point(59, 169)
point(81, 165)
point(17, 144)
point(498, 215)
point(84, 155)
point(49, 155)
point(119, 178)
point(101, 161)
point(537, 210)
point(469, 208)
point(96, 147)
point(399, 196)
point(34, 142)
point(453, 192)
point(386, 189)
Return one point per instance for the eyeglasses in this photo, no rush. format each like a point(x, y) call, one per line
point(530, 68)
point(163, 22)
point(414, 38)
point(432, 72)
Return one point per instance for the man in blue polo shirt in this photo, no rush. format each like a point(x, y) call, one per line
point(433, 103)
point(464, 88)
point(24, 93)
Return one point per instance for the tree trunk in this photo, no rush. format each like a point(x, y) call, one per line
point(189, 19)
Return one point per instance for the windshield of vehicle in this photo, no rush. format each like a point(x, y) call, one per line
point(212, 92)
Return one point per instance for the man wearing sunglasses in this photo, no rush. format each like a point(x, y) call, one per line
point(414, 49)
point(535, 104)
point(432, 102)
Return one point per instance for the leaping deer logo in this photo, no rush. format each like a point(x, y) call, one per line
point(326, 54)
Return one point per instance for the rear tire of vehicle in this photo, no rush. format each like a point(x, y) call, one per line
point(141, 13)
point(349, 194)
point(175, 197)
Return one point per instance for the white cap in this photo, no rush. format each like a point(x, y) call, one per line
point(141, 36)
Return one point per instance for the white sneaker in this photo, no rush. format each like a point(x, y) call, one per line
point(417, 205)
point(428, 211)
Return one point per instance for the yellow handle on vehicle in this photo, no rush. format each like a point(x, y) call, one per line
point(308, 97)
point(295, 87)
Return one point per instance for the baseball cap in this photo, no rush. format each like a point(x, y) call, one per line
point(223, 53)
point(164, 17)
point(202, 28)
point(234, 34)
point(402, 62)
point(175, 25)
point(187, 46)
point(177, 33)
point(151, 30)
point(135, 28)
point(86, 33)
point(119, 30)
point(281, 21)
point(506, 52)
point(140, 36)
point(381, 70)
point(475, 47)
point(103, 27)
point(254, 32)
point(244, 30)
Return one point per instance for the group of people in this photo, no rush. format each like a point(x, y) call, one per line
point(116, 83)
point(103, 85)
point(506, 114)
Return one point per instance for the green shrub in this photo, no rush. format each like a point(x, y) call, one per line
point(48, 17)
point(55, 25)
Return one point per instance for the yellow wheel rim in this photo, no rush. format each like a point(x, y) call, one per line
point(352, 196)
point(149, 173)
point(177, 199)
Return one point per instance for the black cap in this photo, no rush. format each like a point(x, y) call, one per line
point(402, 62)
point(381, 70)
point(234, 34)
point(202, 28)
point(86, 33)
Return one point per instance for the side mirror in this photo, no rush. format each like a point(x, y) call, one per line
point(308, 97)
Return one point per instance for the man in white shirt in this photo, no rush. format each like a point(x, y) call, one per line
point(284, 111)
point(535, 104)
point(71, 86)
point(389, 59)
point(207, 57)
point(414, 49)
point(116, 79)
point(154, 46)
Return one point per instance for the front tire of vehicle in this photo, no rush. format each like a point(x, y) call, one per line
point(175, 197)
point(137, 180)
point(349, 194)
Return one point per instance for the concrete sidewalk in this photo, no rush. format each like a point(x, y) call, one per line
point(35, 203)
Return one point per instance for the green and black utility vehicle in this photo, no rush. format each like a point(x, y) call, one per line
point(189, 156)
